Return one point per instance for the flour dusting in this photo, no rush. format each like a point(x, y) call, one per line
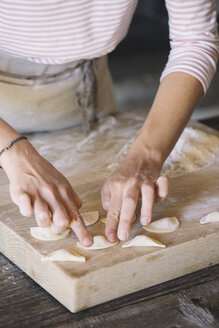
point(195, 149)
point(98, 154)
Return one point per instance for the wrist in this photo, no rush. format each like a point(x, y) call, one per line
point(13, 155)
point(145, 154)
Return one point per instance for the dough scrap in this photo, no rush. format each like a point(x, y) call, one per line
point(133, 219)
point(90, 217)
point(164, 225)
point(47, 234)
point(211, 217)
point(62, 255)
point(142, 240)
point(100, 242)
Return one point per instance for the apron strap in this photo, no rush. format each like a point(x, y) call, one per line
point(86, 93)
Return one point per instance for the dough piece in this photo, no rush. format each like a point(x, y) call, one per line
point(164, 225)
point(47, 234)
point(211, 217)
point(62, 255)
point(141, 241)
point(133, 220)
point(90, 217)
point(100, 242)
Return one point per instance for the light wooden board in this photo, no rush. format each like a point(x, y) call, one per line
point(114, 272)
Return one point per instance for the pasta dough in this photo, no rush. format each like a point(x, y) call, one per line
point(100, 242)
point(47, 234)
point(141, 241)
point(211, 217)
point(164, 225)
point(133, 219)
point(90, 217)
point(62, 255)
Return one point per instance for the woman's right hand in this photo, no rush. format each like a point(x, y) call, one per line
point(37, 187)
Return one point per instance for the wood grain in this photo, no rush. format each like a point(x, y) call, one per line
point(82, 285)
point(23, 303)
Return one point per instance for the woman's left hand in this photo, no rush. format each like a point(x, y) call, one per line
point(138, 176)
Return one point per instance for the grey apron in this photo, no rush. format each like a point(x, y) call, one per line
point(39, 97)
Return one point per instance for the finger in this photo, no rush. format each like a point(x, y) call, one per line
point(42, 214)
point(127, 212)
point(70, 199)
point(147, 194)
point(112, 219)
point(80, 230)
point(23, 201)
point(105, 196)
point(60, 217)
point(162, 187)
point(70, 203)
point(77, 223)
point(76, 198)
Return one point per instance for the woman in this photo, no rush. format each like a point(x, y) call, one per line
point(52, 60)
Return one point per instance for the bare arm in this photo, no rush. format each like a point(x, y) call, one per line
point(191, 65)
point(36, 186)
point(175, 101)
point(7, 134)
point(139, 174)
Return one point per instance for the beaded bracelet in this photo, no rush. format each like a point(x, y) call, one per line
point(11, 144)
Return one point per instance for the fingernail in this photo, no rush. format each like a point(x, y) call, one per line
point(145, 221)
point(123, 235)
point(87, 241)
point(112, 237)
point(162, 196)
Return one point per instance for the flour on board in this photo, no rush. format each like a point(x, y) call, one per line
point(110, 141)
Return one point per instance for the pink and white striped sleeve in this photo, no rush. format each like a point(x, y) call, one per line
point(194, 39)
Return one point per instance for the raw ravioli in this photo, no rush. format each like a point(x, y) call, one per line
point(164, 225)
point(90, 217)
point(62, 255)
point(142, 241)
point(100, 242)
point(47, 234)
point(211, 217)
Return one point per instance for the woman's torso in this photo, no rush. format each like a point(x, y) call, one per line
point(55, 32)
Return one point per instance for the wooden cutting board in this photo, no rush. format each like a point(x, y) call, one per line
point(115, 272)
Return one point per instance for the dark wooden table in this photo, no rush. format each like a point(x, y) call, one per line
point(187, 302)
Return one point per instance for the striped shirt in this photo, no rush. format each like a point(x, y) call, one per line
point(60, 31)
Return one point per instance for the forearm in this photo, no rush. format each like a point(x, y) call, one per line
point(174, 103)
point(36, 186)
point(7, 134)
